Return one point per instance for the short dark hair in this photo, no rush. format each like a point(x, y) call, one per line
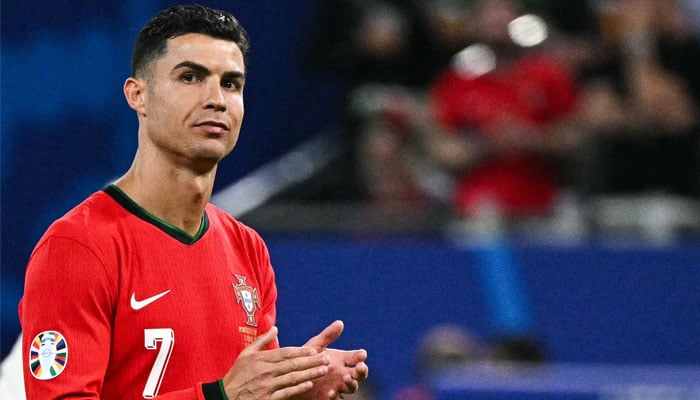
point(151, 41)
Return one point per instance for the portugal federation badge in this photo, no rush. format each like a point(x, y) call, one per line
point(48, 355)
point(248, 297)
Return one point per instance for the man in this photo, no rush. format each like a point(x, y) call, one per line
point(161, 294)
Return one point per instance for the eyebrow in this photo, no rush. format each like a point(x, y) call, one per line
point(206, 71)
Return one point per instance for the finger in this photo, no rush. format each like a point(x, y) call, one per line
point(352, 380)
point(297, 382)
point(303, 364)
point(294, 378)
point(262, 341)
point(352, 387)
point(290, 353)
point(292, 391)
point(360, 372)
point(348, 385)
point(327, 336)
point(353, 357)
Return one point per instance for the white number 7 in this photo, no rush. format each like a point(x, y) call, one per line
point(151, 338)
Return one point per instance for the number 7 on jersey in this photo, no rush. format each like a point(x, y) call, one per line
point(166, 337)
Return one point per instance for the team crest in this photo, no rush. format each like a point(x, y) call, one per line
point(248, 297)
point(48, 355)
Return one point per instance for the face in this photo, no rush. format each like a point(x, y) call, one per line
point(190, 105)
point(493, 19)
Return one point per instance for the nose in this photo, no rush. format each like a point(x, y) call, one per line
point(215, 97)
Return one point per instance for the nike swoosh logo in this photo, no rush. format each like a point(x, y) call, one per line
point(139, 304)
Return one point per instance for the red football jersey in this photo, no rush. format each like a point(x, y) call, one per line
point(121, 305)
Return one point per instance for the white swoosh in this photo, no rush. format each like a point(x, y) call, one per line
point(139, 304)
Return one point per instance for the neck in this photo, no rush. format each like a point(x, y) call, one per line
point(176, 195)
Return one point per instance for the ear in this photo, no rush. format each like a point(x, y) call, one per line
point(135, 93)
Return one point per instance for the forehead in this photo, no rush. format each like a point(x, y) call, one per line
point(213, 53)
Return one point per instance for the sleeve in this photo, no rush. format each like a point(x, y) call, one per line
point(66, 315)
point(268, 309)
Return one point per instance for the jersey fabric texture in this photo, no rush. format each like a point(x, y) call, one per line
point(142, 309)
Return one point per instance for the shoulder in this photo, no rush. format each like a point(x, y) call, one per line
point(74, 246)
point(92, 213)
point(221, 219)
point(87, 222)
point(241, 240)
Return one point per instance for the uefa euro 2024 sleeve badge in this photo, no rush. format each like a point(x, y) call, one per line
point(248, 297)
point(48, 355)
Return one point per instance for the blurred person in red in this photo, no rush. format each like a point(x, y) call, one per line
point(504, 110)
point(390, 161)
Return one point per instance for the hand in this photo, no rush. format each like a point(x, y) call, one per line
point(274, 374)
point(346, 368)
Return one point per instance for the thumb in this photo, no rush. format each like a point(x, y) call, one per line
point(327, 336)
point(262, 341)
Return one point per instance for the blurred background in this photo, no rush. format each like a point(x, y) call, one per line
point(499, 198)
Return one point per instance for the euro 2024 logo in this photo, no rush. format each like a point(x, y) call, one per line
point(48, 355)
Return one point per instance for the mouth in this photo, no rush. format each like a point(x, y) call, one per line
point(213, 126)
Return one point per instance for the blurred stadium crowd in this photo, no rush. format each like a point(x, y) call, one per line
point(575, 116)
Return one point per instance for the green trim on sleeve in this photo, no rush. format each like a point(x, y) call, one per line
point(214, 390)
point(223, 391)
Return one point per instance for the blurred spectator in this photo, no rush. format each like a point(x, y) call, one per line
point(386, 52)
point(364, 41)
point(442, 347)
point(355, 43)
point(505, 112)
point(445, 348)
point(642, 97)
point(404, 42)
point(447, 31)
point(386, 159)
point(574, 38)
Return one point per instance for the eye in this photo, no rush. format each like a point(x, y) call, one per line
point(232, 84)
point(190, 77)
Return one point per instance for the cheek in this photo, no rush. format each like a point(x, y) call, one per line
point(238, 103)
point(237, 109)
point(159, 110)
